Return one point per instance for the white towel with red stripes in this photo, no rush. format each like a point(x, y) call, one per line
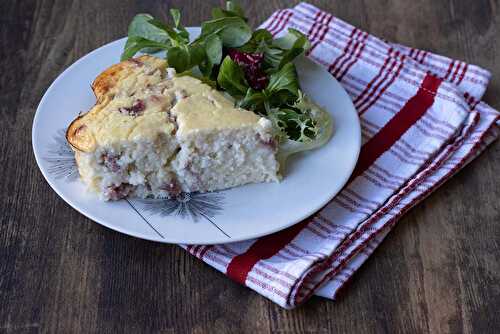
point(422, 121)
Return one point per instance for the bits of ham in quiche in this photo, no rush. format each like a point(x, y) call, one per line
point(111, 162)
point(156, 98)
point(270, 142)
point(136, 61)
point(136, 109)
point(116, 193)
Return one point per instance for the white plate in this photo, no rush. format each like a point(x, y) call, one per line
point(312, 179)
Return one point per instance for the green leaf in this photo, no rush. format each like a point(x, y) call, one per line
point(213, 49)
point(231, 78)
point(232, 6)
point(136, 44)
point(140, 26)
point(185, 57)
point(232, 10)
point(179, 58)
point(176, 16)
point(236, 34)
point(233, 31)
point(284, 79)
point(272, 56)
point(281, 98)
point(299, 46)
point(262, 35)
point(206, 69)
point(283, 50)
point(218, 13)
point(176, 38)
point(197, 54)
point(260, 38)
point(253, 100)
point(288, 41)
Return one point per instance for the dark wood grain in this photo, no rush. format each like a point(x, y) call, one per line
point(438, 271)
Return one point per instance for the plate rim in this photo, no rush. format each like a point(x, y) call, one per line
point(102, 222)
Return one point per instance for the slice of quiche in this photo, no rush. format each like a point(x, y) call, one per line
point(152, 133)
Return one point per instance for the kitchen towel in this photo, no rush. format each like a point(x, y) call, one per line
point(422, 120)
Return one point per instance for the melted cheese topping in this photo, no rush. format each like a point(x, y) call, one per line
point(145, 102)
point(204, 108)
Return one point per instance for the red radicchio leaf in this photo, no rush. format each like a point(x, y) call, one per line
point(251, 63)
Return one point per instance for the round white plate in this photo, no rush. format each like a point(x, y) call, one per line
point(312, 179)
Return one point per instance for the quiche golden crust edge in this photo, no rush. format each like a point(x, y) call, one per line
point(104, 87)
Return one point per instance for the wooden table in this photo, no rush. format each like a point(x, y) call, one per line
point(438, 271)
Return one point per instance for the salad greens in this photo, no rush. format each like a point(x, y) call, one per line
point(253, 67)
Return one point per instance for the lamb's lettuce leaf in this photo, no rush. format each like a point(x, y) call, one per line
point(232, 10)
point(135, 44)
point(231, 78)
point(141, 27)
point(232, 30)
point(285, 79)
